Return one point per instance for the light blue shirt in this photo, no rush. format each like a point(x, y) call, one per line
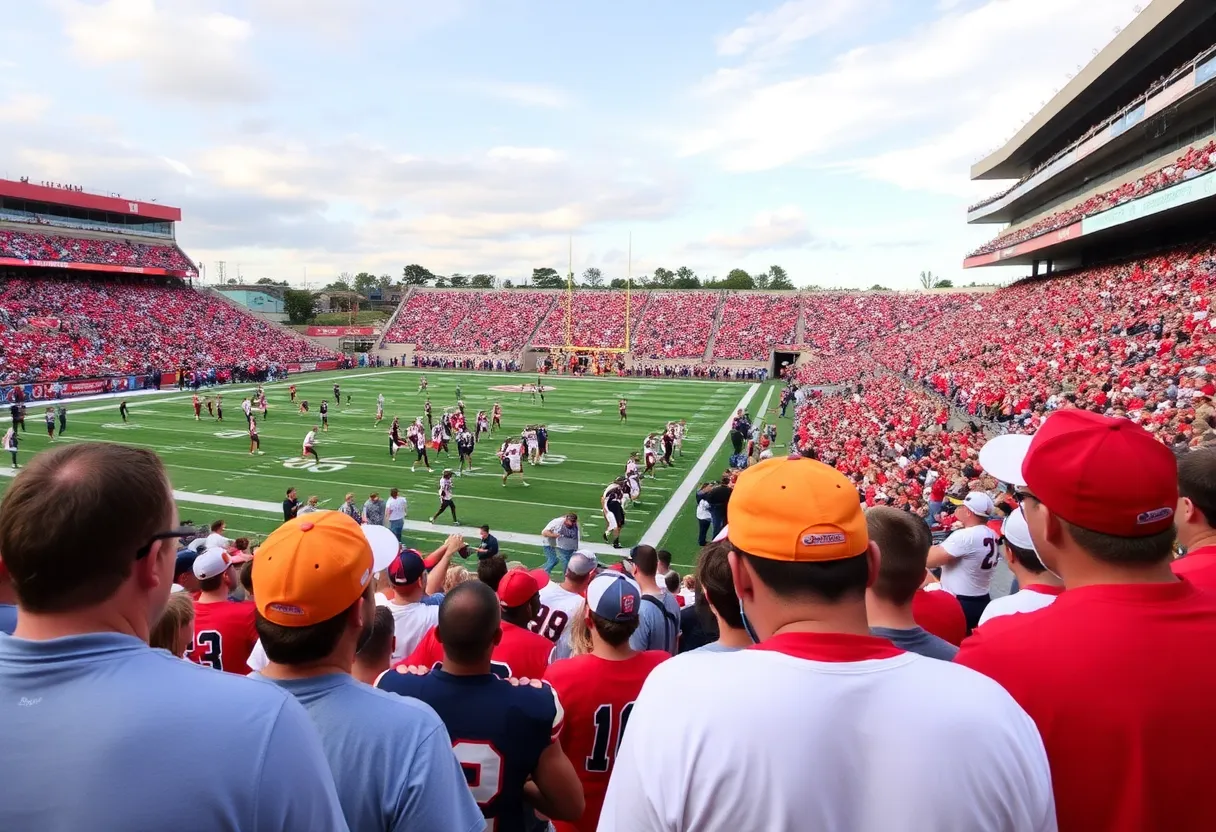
point(100, 731)
point(391, 757)
point(657, 631)
point(8, 618)
point(715, 647)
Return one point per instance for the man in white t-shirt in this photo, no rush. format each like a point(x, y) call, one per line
point(732, 757)
point(394, 511)
point(1039, 587)
point(968, 556)
point(412, 618)
point(559, 603)
point(216, 539)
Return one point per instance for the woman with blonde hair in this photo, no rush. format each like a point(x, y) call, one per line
point(175, 629)
point(457, 575)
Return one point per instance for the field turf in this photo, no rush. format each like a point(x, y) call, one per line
point(215, 477)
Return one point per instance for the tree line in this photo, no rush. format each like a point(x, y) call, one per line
point(774, 278)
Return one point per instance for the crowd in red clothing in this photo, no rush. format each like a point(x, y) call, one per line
point(53, 329)
point(676, 325)
point(475, 322)
point(1195, 161)
point(598, 320)
point(752, 324)
point(27, 246)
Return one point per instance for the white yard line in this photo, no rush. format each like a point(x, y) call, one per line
point(679, 499)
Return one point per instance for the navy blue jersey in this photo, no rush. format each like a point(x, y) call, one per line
point(499, 730)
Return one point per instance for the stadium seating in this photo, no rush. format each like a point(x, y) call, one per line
point(1195, 161)
point(24, 245)
point(598, 320)
point(467, 321)
point(676, 325)
point(752, 324)
point(54, 329)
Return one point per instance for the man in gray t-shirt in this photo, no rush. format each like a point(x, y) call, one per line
point(373, 510)
point(917, 640)
point(659, 622)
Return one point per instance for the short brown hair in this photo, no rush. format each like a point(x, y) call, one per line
point(716, 584)
point(830, 581)
point(491, 570)
point(1197, 481)
point(1122, 551)
point(615, 633)
point(73, 521)
point(903, 542)
point(646, 559)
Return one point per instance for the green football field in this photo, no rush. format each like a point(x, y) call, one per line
point(215, 477)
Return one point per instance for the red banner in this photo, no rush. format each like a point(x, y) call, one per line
point(1060, 235)
point(339, 331)
point(168, 379)
point(44, 323)
point(327, 365)
point(84, 388)
point(92, 267)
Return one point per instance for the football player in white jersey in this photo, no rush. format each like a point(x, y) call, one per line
point(379, 410)
point(511, 454)
point(678, 429)
point(649, 455)
point(614, 511)
point(533, 445)
point(445, 497)
point(633, 478)
point(310, 445)
point(968, 556)
point(560, 603)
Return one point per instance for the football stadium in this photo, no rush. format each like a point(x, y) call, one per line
point(959, 529)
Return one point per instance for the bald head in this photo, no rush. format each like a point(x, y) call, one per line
point(469, 623)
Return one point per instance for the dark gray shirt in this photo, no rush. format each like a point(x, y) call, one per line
point(916, 640)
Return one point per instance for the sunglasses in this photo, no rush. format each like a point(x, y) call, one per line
point(183, 531)
point(1023, 496)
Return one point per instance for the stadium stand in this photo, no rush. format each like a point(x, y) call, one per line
point(64, 328)
point(753, 323)
point(598, 320)
point(462, 321)
point(26, 246)
point(676, 325)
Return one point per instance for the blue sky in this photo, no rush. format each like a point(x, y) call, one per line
point(313, 137)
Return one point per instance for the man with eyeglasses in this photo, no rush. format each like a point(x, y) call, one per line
point(78, 673)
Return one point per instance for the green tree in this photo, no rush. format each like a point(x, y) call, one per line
point(299, 305)
point(738, 279)
point(618, 283)
point(593, 278)
point(339, 285)
point(384, 281)
point(779, 279)
point(547, 278)
point(878, 287)
point(927, 280)
point(364, 283)
point(415, 275)
point(458, 280)
point(686, 278)
point(266, 281)
point(441, 282)
point(761, 279)
point(943, 284)
point(482, 281)
point(507, 284)
point(663, 278)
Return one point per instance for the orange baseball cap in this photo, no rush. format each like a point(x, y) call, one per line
point(311, 569)
point(796, 509)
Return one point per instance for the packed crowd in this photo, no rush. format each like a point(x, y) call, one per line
point(752, 324)
point(707, 371)
point(676, 325)
point(1194, 162)
point(598, 320)
point(72, 328)
point(464, 321)
point(25, 245)
point(447, 362)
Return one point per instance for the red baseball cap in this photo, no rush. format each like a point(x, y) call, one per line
point(519, 585)
point(1102, 474)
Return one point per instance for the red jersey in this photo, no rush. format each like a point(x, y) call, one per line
point(1120, 683)
point(224, 636)
point(524, 654)
point(597, 695)
point(941, 614)
point(1198, 567)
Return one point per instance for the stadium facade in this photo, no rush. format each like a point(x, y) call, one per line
point(1116, 165)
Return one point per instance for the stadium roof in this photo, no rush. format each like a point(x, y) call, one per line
point(1162, 36)
point(92, 202)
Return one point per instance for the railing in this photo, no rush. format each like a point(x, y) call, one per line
point(152, 229)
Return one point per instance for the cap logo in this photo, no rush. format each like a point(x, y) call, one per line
point(627, 604)
point(286, 609)
point(367, 576)
point(823, 539)
point(1154, 516)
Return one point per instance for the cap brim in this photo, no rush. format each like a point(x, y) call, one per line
point(541, 577)
point(1002, 456)
point(722, 535)
point(384, 546)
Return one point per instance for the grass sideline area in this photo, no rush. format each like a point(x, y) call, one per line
point(215, 477)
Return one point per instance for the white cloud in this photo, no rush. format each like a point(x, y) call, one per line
point(23, 108)
point(967, 78)
point(531, 155)
point(529, 95)
point(784, 227)
point(788, 24)
point(177, 50)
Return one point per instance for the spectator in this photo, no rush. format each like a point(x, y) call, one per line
point(801, 559)
point(561, 602)
point(89, 587)
point(659, 627)
point(373, 510)
point(489, 544)
point(291, 505)
point(350, 509)
point(903, 545)
point(224, 632)
point(395, 511)
point(375, 656)
point(405, 574)
point(506, 730)
point(1124, 620)
point(310, 507)
point(560, 540)
point(968, 556)
point(216, 539)
point(491, 570)
point(1196, 518)
point(390, 757)
point(597, 690)
point(174, 630)
point(1038, 588)
point(183, 570)
point(718, 598)
point(457, 575)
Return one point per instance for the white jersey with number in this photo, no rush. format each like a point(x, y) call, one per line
point(974, 552)
point(701, 766)
point(445, 488)
point(309, 440)
point(648, 451)
point(558, 607)
point(513, 454)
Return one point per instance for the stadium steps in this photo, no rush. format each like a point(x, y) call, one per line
point(245, 312)
point(640, 315)
point(713, 332)
point(800, 329)
point(388, 327)
point(539, 323)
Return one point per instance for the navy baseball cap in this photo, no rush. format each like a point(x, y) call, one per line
point(614, 596)
point(406, 568)
point(185, 562)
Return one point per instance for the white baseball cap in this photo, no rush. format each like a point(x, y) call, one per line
point(1017, 532)
point(979, 503)
point(1001, 457)
point(210, 563)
